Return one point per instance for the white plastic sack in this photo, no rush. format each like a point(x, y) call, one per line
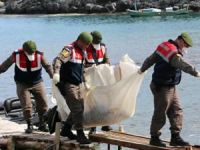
point(110, 96)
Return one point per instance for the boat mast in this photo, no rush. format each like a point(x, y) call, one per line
point(135, 5)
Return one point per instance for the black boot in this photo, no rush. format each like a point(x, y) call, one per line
point(156, 141)
point(66, 132)
point(106, 128)
point(43, 125)
point(29, 127)
point(92, 130)
point(81, 138)
point(176, 140)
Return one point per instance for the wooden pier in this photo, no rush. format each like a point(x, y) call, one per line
point(42, 141)
point(132, 141)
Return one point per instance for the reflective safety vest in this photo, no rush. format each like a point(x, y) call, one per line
point(164, 73)
point(166, 50)
point(76, 53)
point(95, 56)
point(26, 71)
point(72, 70)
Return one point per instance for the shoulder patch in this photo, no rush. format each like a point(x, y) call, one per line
point(179, 55)
point(65, 53)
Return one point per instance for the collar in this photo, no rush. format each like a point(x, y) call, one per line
point(76, 46)
point(174, 43)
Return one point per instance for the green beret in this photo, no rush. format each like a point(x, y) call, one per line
point(29, 46)
point(97, 37)
point(85, 37)
point(187, 38)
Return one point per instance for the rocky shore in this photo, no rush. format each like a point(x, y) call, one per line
point(88, 6)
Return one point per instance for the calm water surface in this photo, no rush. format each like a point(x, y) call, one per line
point(137, 37)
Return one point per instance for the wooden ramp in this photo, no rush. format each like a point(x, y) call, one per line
point(132, 141)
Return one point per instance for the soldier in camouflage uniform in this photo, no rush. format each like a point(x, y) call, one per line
point(169, 62)
point(28, 69)
point(68, 75)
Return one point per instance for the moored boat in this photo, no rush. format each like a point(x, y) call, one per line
point(149, 12)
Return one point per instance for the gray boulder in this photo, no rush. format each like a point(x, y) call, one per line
point(2, 4)
point(111, 7)
point(2, 7)
point(64, 6)
point(23, 6)
point(99, 9)
point(122, 5)
point(195, 6)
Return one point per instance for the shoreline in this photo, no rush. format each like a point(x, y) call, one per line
point(69, 14)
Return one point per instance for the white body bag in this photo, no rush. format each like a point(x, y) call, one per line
point(110, 93)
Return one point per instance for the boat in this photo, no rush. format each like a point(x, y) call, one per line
point(149, 12)
point(11, 109)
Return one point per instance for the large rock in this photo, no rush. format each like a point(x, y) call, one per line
point(2, 4)
point(2, 7)
point(22, 6)
point(111, 7)
point(122, 5)
point(64, 6)
point(93, 8)
point(195, 6)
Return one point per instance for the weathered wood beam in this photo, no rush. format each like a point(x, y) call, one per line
point(31, 145)
point(3, 142)
point(132, 141)
point(57, 136)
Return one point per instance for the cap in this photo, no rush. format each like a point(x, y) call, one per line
point(85, 37)
point(187, 38)
point(29, 46)
point(97, 37)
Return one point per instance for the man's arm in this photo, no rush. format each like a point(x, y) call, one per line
point(106, 59)
point(47, 67)
point(6, 64)
point(56, 65)
point(63, 57)
point(149, 61)
point(177, 61)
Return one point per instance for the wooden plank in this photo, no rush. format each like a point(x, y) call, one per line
point(3, 142)
point(10, 144)
point(57, 136)
point(31, 145)
point(130, 141)
point(124, 143)
point(196, 147)
point(43, 141)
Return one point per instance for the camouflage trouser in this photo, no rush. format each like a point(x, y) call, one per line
point(38, 91)
point(74, 99)
point(166, 103)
